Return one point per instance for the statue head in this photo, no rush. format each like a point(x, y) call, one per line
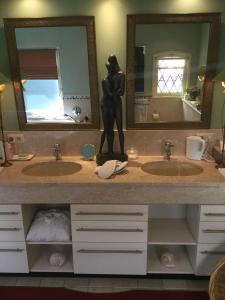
point(112, 64)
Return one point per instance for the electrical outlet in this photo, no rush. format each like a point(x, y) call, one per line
point(16, 138)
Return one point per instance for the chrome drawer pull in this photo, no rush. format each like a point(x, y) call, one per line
point(82, 213)
point(110, 251)
point(213, 230)
point(109, 229)
point(215, 214)
point(10, 229)
point(12, 250)
point(8, 213)
point(213, 252)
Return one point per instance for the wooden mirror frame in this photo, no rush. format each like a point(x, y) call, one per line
point(11, 25)
point(214, 22)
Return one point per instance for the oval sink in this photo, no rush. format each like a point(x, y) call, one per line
point(52, 168)
point(172, 168)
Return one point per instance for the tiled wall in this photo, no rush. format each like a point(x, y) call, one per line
point(147, 142)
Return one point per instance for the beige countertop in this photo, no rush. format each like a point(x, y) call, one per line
point(133, 186)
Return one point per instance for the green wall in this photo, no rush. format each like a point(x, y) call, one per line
point(110, 21)
point(170, 37)
point(73, 56)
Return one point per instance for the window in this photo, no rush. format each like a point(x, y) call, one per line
point(42, 98)
point(170, 73)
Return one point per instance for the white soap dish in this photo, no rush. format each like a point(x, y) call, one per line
point(22, 157)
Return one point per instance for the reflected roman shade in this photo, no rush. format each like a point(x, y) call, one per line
point(38, 63)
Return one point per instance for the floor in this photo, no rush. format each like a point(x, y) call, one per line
point(106, 285)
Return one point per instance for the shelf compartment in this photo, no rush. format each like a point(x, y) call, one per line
point(181, 260)
point(39, 258)
point(169, 232)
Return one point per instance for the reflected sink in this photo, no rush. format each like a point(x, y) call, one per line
point(52, 168)
point(171, 168)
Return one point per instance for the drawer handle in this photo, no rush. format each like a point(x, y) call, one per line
point(109, 229)
point(12, 250)
point(213, 230)
point(82, 213)
point(8, 213)
point(10, 229)
point(213, 252)
point(214, 214)
point(110, 251)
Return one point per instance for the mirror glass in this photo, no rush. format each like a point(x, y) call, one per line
point(54, 67)
point(167, 80)
point(55, 75)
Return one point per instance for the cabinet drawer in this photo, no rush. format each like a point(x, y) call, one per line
point(212, 232)
point(109, 212)
point(109, 231)
point(11, 231)
point(13, 257)
point(110, 258)
point(212, 213)
point(10, 212)
point(208, 256)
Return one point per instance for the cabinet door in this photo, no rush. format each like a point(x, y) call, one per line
point(109, 212)
point(212, 213)
point(207, 257)
point(110, 258)
point(10, 212)
point(109, 231)
point(212, 232)
point(13, 257)
point(11, 231)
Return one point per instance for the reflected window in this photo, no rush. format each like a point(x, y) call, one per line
point(170, 74)
point(40, 80)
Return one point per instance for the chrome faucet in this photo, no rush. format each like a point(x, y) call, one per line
point(167, 148)
point(57, 151)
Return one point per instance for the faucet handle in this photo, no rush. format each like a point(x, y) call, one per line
point(56, 146)
point(169, 143)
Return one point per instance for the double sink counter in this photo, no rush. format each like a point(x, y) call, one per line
point(133, 186)
point(123, 225)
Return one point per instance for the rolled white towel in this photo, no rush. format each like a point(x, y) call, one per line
point(57, 259)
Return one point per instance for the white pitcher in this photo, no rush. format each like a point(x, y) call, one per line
point(195, 147)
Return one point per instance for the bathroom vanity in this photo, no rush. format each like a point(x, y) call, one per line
point(120, 226)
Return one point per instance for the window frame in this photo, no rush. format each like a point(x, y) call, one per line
point(186, 75)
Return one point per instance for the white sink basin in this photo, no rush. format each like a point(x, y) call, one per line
point(51, 168)
point(171, 168)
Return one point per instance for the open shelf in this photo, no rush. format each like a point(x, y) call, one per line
point(169, 232)
point(39, 258)
point(181, 260)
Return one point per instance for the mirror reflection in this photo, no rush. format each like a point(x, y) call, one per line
point(171, 61)
point(54, 70)
point(169, 68)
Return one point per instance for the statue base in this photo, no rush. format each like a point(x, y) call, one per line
point(101, 158)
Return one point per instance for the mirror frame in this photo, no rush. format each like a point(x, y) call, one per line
point(10, 25)
point(214, 21)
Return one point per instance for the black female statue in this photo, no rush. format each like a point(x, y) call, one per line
point(111, 106)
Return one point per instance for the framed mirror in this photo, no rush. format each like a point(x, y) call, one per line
point(54, 72)
point(171, 61)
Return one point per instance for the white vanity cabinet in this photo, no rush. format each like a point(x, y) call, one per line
point(110, 239)
point(13, 255)
point(211, 238)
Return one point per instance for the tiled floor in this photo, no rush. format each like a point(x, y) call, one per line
point(106, 285)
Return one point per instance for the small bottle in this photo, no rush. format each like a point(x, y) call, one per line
point(10, 150)
point(2, 154)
